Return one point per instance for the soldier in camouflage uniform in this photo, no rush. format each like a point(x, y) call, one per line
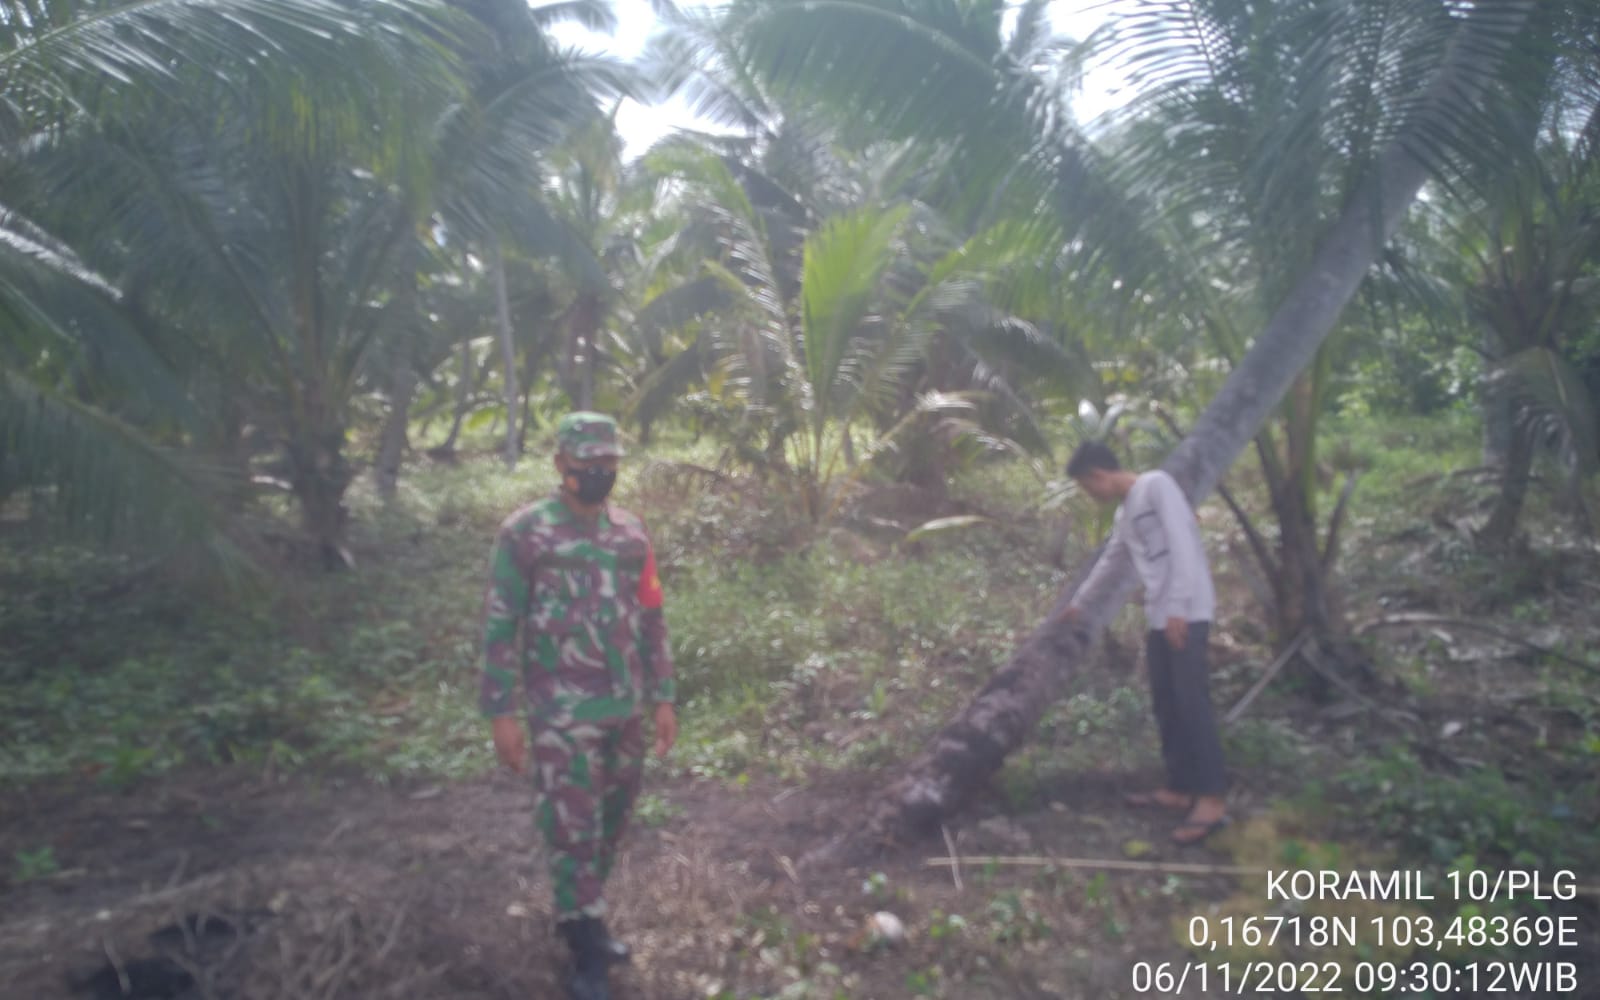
point(574, 608)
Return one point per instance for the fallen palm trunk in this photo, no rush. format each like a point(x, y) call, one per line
point(995, 722)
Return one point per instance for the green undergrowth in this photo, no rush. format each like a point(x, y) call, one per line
point(1527, 820)
point(790, 655)
point(801, 650)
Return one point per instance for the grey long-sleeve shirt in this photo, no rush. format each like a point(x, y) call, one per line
point(1158, 528)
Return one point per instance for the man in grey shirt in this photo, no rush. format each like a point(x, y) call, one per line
point(1157, 527)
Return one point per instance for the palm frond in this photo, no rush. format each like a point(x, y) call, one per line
point(668, 383)
point(844, 262)
point(539, 102)
point(101, 479)
point(930, 405)
point(691, 56)
point(749, 264)
point(679, 306)
point(596, 15)
point(537, 232)
point(1549, 397)
point(939, 73)
point(20, 236)
point(904, 66)
point(56, 307)
point(1010, 410)
point(84, 56)
point(1032, 31)
point(1000, 338)
point(516, 115)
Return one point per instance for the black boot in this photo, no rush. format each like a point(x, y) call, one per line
point(588, 979)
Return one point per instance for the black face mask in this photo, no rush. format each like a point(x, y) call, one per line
point(594, 485)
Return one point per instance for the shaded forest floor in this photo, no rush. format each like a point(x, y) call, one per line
point(348, 889)
point(293, 793)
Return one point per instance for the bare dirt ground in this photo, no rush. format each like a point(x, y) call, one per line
point(337, 887)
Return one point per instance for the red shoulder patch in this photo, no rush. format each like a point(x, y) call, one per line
point(649, 581)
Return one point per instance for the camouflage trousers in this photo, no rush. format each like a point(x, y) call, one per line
point(587, 775)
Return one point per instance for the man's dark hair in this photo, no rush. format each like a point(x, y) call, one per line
point(1089, 456)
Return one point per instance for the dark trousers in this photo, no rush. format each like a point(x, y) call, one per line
point(1180, 694)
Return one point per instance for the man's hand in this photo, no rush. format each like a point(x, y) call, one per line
point(509, 744)
point(1069, 614)
point(666, 728)
point(1177, 632)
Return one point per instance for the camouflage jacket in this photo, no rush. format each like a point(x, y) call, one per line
point(576, 610)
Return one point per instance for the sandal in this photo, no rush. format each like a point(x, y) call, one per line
point(1148, 799)
point(1193, 831)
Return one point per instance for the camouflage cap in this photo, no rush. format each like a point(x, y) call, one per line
point(586, 435)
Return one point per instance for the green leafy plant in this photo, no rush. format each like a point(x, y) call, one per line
point(1477, 812)
point(654, 810)
point(1014, 917)
point(942, 925)
point(35, 864)
point(875, 885)
point(924, 982)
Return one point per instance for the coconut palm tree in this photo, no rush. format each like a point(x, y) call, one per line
point(859, 48)
point(529, 101)
point(872, 321)
point(1537, 291)
point(583, 193)
point(262, 230)
point(1527, 233)
point(1250, 135)
point(264, 257)
point(94, 398)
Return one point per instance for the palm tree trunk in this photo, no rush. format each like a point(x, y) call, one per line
point(1302, 576)
point(1303, 595)
point(464, 389)
point(508, 350)
point(319, 474)
point(586, 379)
point(975, 743)
point(233, 454)
point(585, 330)
point(1501, 527)
point(1295, 531)
point(392, 439)
point(526, 405)
point(1499, 412)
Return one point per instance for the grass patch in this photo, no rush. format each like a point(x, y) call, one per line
point(105, 675)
